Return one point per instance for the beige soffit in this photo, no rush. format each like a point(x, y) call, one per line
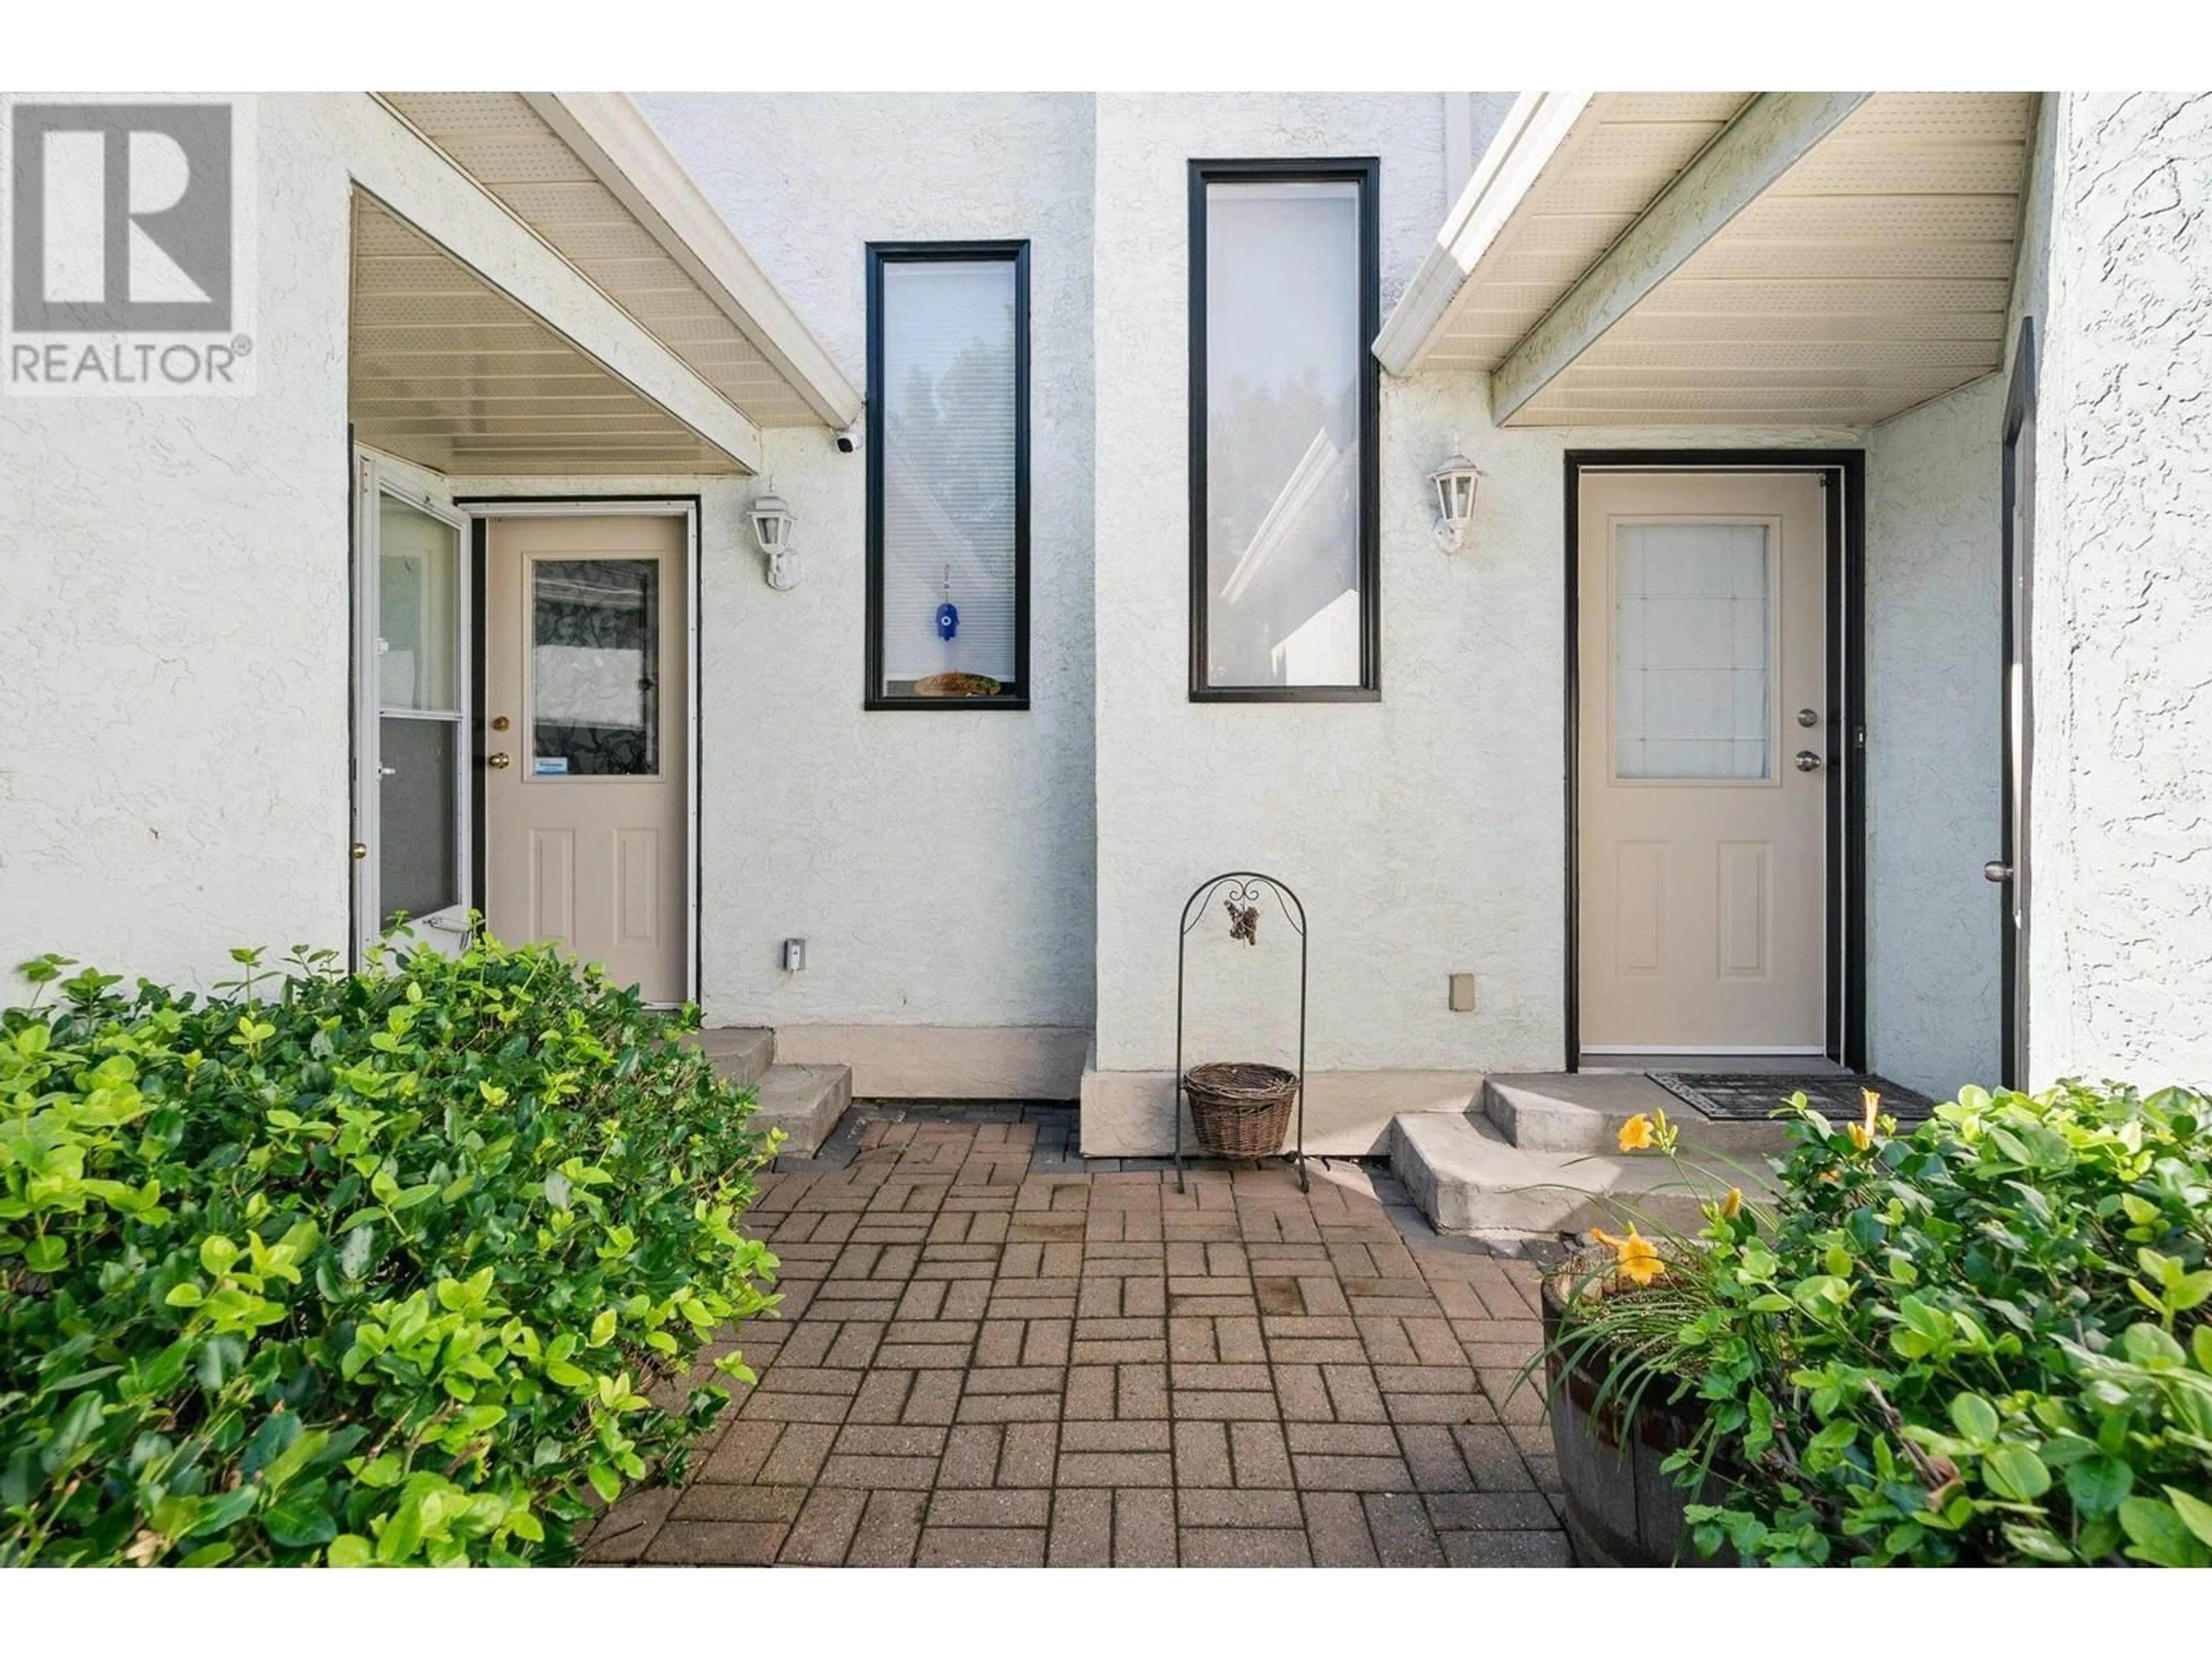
point(588, 174)
point(1565, 175)
point(1872, 275)
point(447, 371)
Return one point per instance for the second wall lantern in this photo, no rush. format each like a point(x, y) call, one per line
point(1454, 482)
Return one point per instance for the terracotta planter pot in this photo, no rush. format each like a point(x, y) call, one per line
point(1622, 1508)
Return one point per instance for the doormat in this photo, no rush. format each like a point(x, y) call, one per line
point(1740, 1096)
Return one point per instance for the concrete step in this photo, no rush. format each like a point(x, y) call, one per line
point(1467, 1178)
point(741, 1054)
point(1583, 1112)
point(804, 1102)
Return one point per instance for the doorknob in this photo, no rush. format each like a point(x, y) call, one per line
point(1996, 869)
point(499, 761)
point(1808, 761)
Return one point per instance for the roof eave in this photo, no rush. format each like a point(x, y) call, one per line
point(1532, 135)
point(614, 139)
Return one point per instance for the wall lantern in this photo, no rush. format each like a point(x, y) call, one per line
point(1454, 482)
point(773, 522)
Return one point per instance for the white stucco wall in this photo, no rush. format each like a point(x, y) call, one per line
point(174, 581)
point(172, 625)
point(939, 864)
point(1934, 717)
point(1374, 811)
point(1425, 832)
point(2120, 967)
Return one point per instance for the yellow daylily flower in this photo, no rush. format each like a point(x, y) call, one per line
point(1639, 1258)
point(1636, 1134)
point(1862, 1130)
point(1732, 1206)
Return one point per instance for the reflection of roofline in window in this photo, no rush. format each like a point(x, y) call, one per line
point(1316, 467)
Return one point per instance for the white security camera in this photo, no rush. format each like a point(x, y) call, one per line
point(852, 438)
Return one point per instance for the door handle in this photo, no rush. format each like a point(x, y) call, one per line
point(499, 761)
point(1996, 869)
point(1808, 761)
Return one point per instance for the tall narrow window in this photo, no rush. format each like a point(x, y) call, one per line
point(1283, 303)
point(948, 460)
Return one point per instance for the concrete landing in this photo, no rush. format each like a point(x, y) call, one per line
point(1583, 1112)
point(1467, 1178)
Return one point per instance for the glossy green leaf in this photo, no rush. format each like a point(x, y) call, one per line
point(2015, 1472)
point(2096, 1485)
point(2158, 1535)
point(2193, 1512)
point(1975, 1417)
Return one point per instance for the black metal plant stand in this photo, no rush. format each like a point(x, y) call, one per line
point(1241, 890)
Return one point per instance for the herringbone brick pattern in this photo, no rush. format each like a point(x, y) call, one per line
point(988, 1357)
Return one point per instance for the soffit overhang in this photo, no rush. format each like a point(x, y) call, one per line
point(588, 174)
point(447, 370)
point(1827, 259)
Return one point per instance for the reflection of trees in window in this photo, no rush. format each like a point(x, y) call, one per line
point(594, 660)
point(954, 435)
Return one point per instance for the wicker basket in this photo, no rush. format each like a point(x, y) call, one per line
point(1239, 1109)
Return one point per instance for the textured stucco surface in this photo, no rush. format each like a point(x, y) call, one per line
point(1425, 832)
point(1933, 598)
point(939, 864)
point(2121, 901)
point(1377, 813)
point(173, 588)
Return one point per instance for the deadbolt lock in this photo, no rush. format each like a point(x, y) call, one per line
point(1807, 717)
point(499, 723)
point(361, 849)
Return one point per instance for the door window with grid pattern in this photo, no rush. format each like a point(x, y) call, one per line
point(1692, 651)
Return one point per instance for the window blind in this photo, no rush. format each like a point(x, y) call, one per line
point(949, 449)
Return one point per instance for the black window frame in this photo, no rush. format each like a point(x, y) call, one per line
point(1366, 171)
point(881, 254)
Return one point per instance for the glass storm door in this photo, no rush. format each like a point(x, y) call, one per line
point(412, 872)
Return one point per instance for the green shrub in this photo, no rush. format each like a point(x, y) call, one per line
point(1986, 1341)
point(387, 1267)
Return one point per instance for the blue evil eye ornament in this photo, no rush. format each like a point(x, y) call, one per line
point(948, 620)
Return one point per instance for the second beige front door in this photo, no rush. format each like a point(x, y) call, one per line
point(1702, 746)
point(586, 797)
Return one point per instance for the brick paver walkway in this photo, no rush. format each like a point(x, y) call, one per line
point(994, 1354)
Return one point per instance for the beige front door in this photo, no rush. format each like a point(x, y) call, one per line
point(1703, 758)
point(586, 802)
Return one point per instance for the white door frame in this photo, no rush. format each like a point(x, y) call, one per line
point(373, 481)
point(481, 509)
